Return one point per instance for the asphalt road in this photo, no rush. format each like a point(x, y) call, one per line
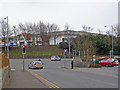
point(67, 78)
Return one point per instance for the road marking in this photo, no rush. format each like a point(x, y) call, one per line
point(44, 80)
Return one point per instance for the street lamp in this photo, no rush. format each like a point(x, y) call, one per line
point(8, 46)
point(112, 37)
point(7, 38)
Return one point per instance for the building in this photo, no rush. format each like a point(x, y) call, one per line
point(32, 39)
point(63, 36)
point(52, 38)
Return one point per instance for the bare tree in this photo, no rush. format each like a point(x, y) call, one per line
point(55, 28)
point(3, 24)
point(4, 31)
point(15, 32)
point(87, 28)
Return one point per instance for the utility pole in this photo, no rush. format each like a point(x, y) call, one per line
point(112, 40)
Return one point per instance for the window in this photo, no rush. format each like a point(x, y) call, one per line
point(102, 61)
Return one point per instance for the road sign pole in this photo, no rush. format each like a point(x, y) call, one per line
point(23, 62)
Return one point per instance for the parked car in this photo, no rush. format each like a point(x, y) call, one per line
point(102, 58)
point(109, 62)
point(117, 57)
point(55, 58)
point(36, 63)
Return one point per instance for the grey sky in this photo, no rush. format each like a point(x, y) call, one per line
point(74, 12)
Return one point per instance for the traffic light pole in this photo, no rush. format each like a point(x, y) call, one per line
point(64, 61)
point(65, 53)
point(23, 62)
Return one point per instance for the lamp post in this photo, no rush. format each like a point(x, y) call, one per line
point(112, 37)
point(7, 38)
point(8, 46)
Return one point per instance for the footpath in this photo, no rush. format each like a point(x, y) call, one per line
point(20, 79)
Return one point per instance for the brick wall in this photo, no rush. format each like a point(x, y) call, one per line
point(3, 69)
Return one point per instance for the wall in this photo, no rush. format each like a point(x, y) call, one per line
point(59, 39)
point(3, 69)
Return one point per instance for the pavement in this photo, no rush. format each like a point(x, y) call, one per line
point(20, 79)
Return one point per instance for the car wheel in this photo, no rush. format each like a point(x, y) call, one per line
point(29, 67)
point(107, 65)
point(32, 67)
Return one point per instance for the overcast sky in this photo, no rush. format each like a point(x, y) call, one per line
point(94, 13)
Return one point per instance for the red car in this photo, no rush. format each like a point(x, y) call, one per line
point(109, 62)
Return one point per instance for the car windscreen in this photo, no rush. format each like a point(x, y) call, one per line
point(57, 56)
point(37, 60)
point(52, 56)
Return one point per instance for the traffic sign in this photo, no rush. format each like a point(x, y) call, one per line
point(94, 57)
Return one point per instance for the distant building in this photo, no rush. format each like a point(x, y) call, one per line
point(52, 38)
point(31, 39)
point(62, 36)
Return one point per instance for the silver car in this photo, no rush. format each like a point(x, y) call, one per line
point(55, 58)
point(35, 64)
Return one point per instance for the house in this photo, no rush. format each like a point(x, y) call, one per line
point(32, 39)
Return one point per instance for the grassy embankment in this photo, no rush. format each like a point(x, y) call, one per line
point(36, 52)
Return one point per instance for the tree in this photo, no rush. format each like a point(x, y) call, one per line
point(87, 28)
point(53, 28)
point(83, 44)
point(4, 31)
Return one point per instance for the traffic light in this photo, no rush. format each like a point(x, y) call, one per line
point(65, 52)
point(23, 49)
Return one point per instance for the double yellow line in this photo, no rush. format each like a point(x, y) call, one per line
point(44, 80)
